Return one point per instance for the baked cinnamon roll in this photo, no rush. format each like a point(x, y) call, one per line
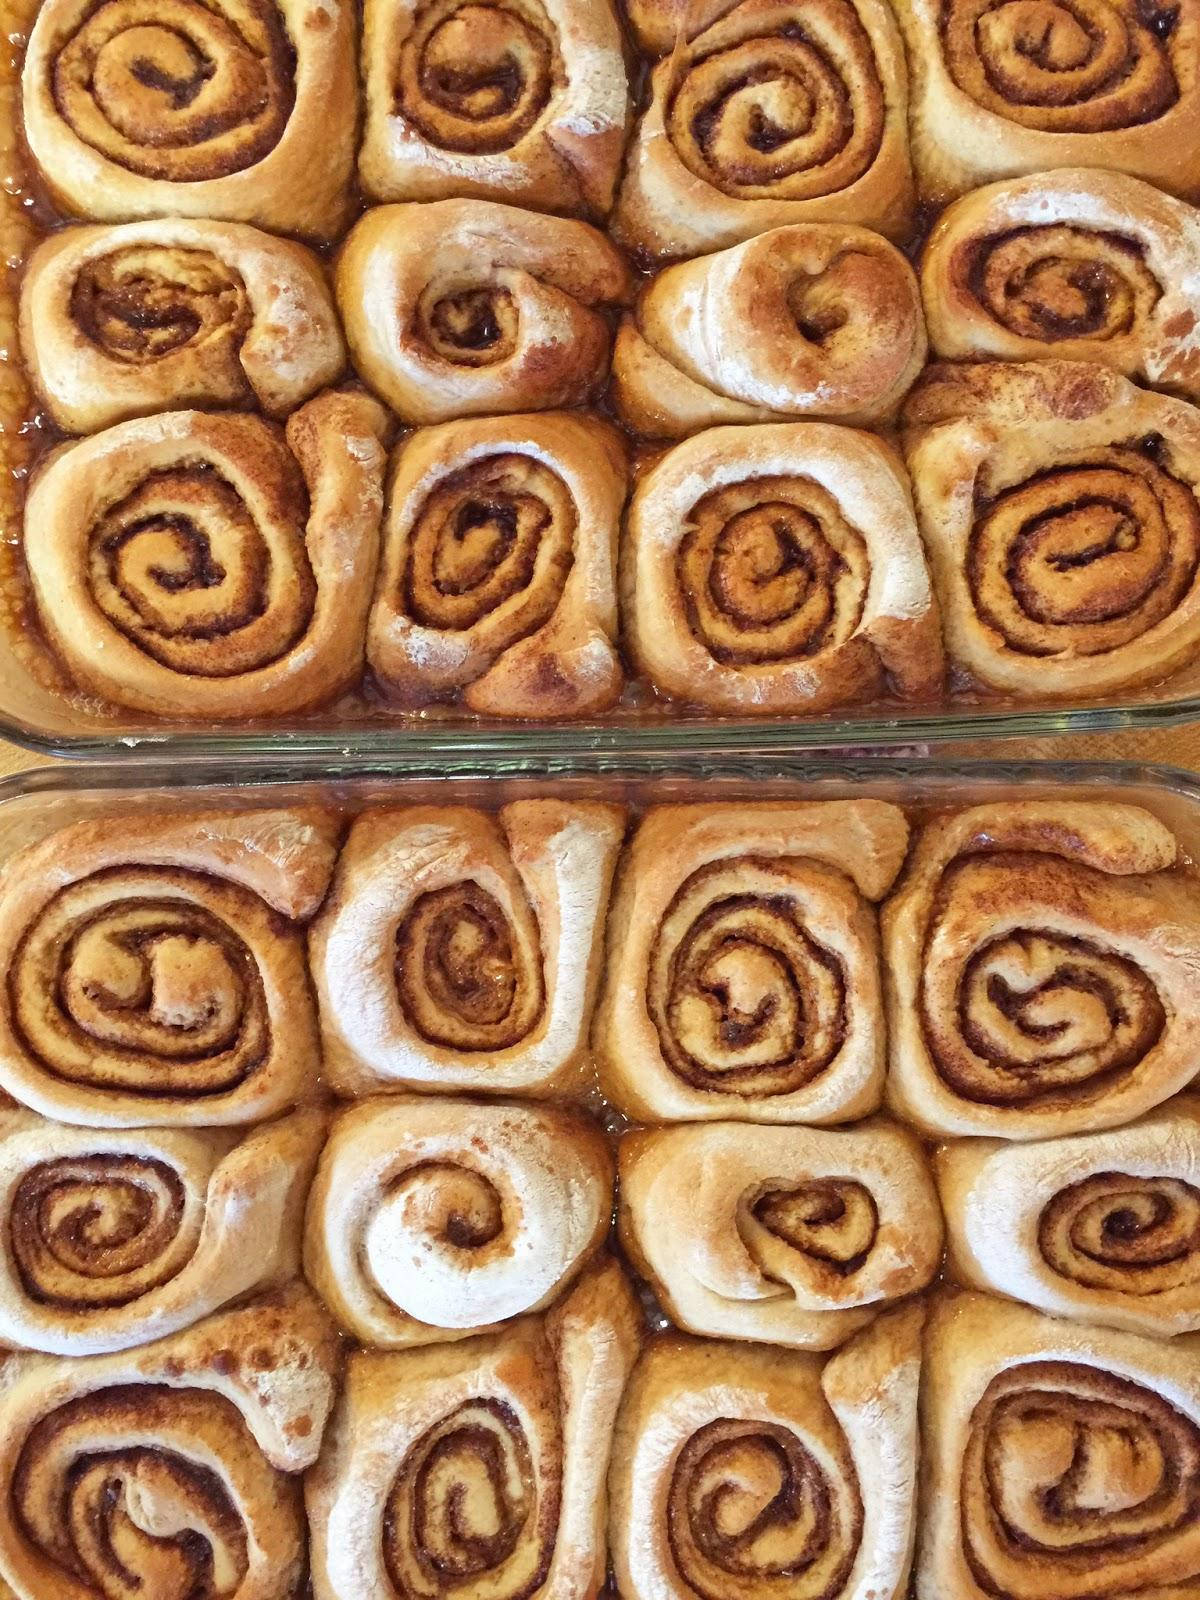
point(210, 565)
point(742, 978)
point(1074, 265)
point(435, 1219)
point(1058, 1460)
point(1039, 958)
point(1059, 508)
point(119, 322)
point(117, 1238)
point(814, 320)
point(155, 968)
point(461, 951)
point(778, 569)
point(1100, 1227)
point(477, 1467)
point(171, 1470)
point(794, 1236)
point(517, 100)
point(741, 1472)
point(463, 308)
point(242, 110)
point(769, 114)
point(497, 579)
point(1006, 87)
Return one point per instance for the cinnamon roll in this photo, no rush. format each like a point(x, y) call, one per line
point(1006, 87)
point(1059, 1461)
point(742, 978)
point(242, 110)
point(1075, 265)
point(205, 565)
point(435, 1219)
point(172, 1470)
point(779, 569)
point(1040, 958)
point(115, 1239)
point(477, 1467)
point(461, 951)
point(745, 1473)
point(462, 307)
point(1102, 1227)
point(771, 114)
point(154, 968)
point(119, 322)
point(812, 320)
point(497, 577)
point(794, 1236)
point(517, 100)
point(1059, 508)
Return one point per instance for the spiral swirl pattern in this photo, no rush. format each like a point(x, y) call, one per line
point(1087, 555)
point(1128, 1234)
point(1078, 1480)
point(140, 303)
point(1063, 66)
point(780, 107)
point(833, 1220)
point(1058, 282)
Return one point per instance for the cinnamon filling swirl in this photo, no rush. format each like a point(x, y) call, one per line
point(178, 89)
point(476, 77)
point(770, 570)
point(1064, 66)
point(833, 1220)
point(98, 1230)
point(782, 105)
point(1120, 1232)
point(463, 974)
point(471, 326)
point(147, 301)
point(1086, 556)
point(1063, 282)
point(751, 1510)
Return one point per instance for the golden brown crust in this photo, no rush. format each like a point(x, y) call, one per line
point(816, 320)
point(778, 569)
point(464, 307)
point(205, 565)
point(155, 316)
point(768, 116)
point(242, 110)
point(497, 577)
point(524, 101)
point(1060, 513)
point(156, 971)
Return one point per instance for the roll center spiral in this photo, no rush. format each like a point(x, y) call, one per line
point(1064, 282)
point(1125, 1233)
point(145, 302)
point(834, 1220)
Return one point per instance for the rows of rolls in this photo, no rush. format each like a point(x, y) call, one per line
point(736, 1200)
point(392, 361)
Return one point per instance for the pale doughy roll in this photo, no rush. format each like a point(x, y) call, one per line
point(742, 978)
point(497, 582)
point(461, 951)
point(771, 114)
point(156, 971)
point(1001, 88)
point(778, 569)
point(242, 110)
point(1040, 957)
point(816, 320)
point(434, 1219)
point(1059, 1462)
point(153, 316)
point(172, 1470)
point(794, 1236)
point(117, 1238)
point(517, 100)
point(463, 308)
point(1059, 508)
point(209, 565)
point(477, 1468)
point(1075, 266)
point(742, 1472)
point(1101, 1227)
